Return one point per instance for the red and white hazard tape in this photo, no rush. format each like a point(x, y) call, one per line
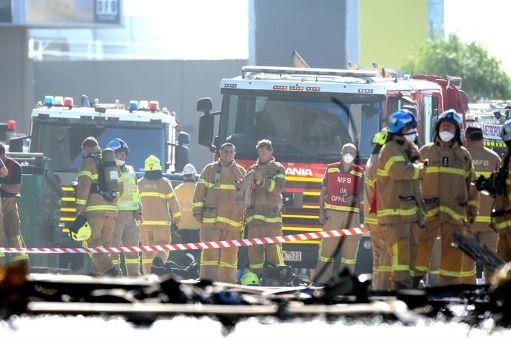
point(192, 246)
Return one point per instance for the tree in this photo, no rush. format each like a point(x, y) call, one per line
point(482, 75)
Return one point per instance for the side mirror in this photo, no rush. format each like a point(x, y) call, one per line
point(16, 144)
point(182, 157)
point(206, 128)
point(497, 114)
point(204, 105)
point(183, 138)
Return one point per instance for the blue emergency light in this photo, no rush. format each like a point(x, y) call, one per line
point(133, 105)
point(48, 101)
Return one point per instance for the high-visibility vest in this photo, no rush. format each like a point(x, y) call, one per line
point(341, 186)
point(130, 197)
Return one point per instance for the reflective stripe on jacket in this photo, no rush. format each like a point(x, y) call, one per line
point(370, 188)
point(266, 200)
point(184, 194)
point(399, 199)
point(159, 203)
point(485, 163)
point(446, 185)
point(214, 194)
point(87, 177)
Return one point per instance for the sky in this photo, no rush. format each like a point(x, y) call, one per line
point(483, 21)
point(215, 29)
point(220, 28)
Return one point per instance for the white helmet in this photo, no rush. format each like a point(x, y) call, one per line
point(189, 169)
point(506, 131)
point(470, 119)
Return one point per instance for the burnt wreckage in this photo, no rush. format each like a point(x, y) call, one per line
point(143, 300)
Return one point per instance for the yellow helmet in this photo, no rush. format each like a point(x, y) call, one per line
point(250, 279)
point(83, 234)
point(80, 230)
point(152, 163)
point(380, 137)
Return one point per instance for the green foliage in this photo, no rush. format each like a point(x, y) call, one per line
point(482, 75)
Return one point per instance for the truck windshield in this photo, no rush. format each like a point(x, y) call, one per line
point(61, 142)
point(302, 127)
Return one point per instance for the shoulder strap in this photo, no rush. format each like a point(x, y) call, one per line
point(216, 180)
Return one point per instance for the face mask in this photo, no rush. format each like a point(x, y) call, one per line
point(347, 158)
point(411, 136)
point(446, 136)
point(119, 162)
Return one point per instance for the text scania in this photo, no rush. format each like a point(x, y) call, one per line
point(298, 172)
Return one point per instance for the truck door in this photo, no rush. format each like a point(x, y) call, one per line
point(429, 116)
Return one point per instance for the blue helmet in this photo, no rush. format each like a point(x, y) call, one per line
point(118, 144)
point(450, 116)
point(454, 118)
point(401, 119)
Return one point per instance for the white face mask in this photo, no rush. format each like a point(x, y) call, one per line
point(411, 136)
point(446, 136)
point(347, 158)
point(119, 162)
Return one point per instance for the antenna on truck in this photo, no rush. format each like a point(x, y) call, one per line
point(298, 61)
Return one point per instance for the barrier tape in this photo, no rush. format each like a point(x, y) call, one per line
point(192, 246)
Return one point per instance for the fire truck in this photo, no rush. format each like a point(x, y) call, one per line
point(58, 127)
point(490, 117)
point(309, 114)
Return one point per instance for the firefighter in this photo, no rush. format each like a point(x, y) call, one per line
point(341, 193)
point(220, 217)
point(503, 202)
point(159, 210)
point(485, 163)
point(399, 200)
point(381, 258)
point(10, 183)
point(126, 232)
point(451, 201)
point(263, 215)
point(100, 212)
point(188, 228)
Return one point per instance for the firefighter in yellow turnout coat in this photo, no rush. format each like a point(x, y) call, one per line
point(160, 210)
point(381, 256)
point(486, 162)
point(451, 201)
point(99, 211)
point(399, 199)
point(220, 217)
point(263, 216)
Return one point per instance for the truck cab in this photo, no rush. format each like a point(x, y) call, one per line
point(58, 128)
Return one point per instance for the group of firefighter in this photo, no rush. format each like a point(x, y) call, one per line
point(144, 210)
point(413, 200)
